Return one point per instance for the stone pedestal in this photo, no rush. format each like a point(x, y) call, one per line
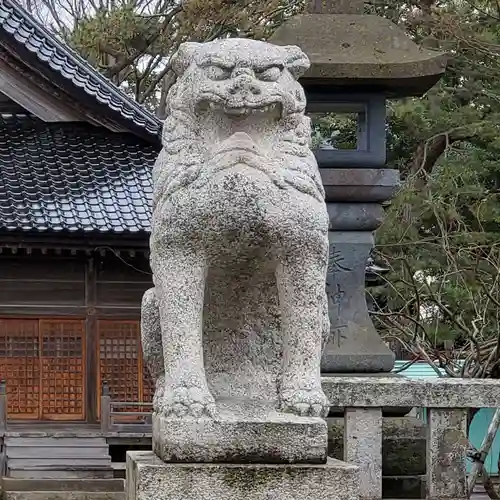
point(241, 433)
point(149, 478)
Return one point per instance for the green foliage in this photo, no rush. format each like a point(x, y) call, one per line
point(441, 238)
point(131, 41)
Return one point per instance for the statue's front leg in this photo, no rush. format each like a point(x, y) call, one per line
point(180, 285)
point(301, 286)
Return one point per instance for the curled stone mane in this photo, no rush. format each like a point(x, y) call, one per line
point(191, 103)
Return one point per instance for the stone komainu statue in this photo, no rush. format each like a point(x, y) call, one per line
point(239, 243)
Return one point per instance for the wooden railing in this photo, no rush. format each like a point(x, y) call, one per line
point(124, 416)
point(3, 406)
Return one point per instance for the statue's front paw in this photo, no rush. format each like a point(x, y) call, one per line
point(305, 402)
point(184, 401)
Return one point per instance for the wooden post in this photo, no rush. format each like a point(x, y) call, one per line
point(105, 407)
point(92, 365)
point(3, 406)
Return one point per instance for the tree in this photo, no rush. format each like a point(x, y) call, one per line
point(131, 41)
point(441, 238)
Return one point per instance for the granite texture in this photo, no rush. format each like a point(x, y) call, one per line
point(360, 185)
point(248, 434)
point(382, 391)
point(446, 454)
point(363, 447)
point(150, 478)
point(239, 238)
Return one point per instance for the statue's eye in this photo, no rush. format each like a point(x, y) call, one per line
point(269, 74)
point(217, 73)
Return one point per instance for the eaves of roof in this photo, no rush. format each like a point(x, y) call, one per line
point(21, 33)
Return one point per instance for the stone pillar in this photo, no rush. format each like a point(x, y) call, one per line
point(363, 447)
point(354, 199)
point(446, 454)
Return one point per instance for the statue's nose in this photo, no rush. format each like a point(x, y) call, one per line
point(244, 81)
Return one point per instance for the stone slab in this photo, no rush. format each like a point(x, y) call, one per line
point(75, 485)
point(64, 495)
point(361, 185)
point(150, 478)
point(400, 391)
point(242, 434)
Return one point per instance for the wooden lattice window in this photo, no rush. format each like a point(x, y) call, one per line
point(20, 366)
point(63, 369)
point(120, 361)
point(43, 363)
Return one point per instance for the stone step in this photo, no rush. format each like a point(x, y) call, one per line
point(64, 495)
point(51, 457)
point(119, 469)
point(70, 473)
point(57, 453)
point(88, 485)
point(54, 441)
point(57, 462)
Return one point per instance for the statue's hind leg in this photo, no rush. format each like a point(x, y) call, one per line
point(180, 285)
point(301, 285)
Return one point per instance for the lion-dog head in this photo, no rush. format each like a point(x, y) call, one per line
point(236, 101)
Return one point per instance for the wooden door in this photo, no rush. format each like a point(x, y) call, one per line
point(120, 361)
point(43, 362)
point(20, 367)
point(62, 360)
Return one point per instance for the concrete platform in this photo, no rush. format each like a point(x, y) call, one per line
point(149, 477)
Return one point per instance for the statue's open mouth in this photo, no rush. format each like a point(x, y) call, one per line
point(247, 109)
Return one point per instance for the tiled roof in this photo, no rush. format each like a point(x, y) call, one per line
point(73, 177)
point(19, 27)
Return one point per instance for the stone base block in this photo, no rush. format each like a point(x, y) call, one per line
point(241, 435)
point(149, 478)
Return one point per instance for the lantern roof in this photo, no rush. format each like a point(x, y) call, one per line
point(359, 52)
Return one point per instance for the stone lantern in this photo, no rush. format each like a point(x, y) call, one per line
point(358, 61)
